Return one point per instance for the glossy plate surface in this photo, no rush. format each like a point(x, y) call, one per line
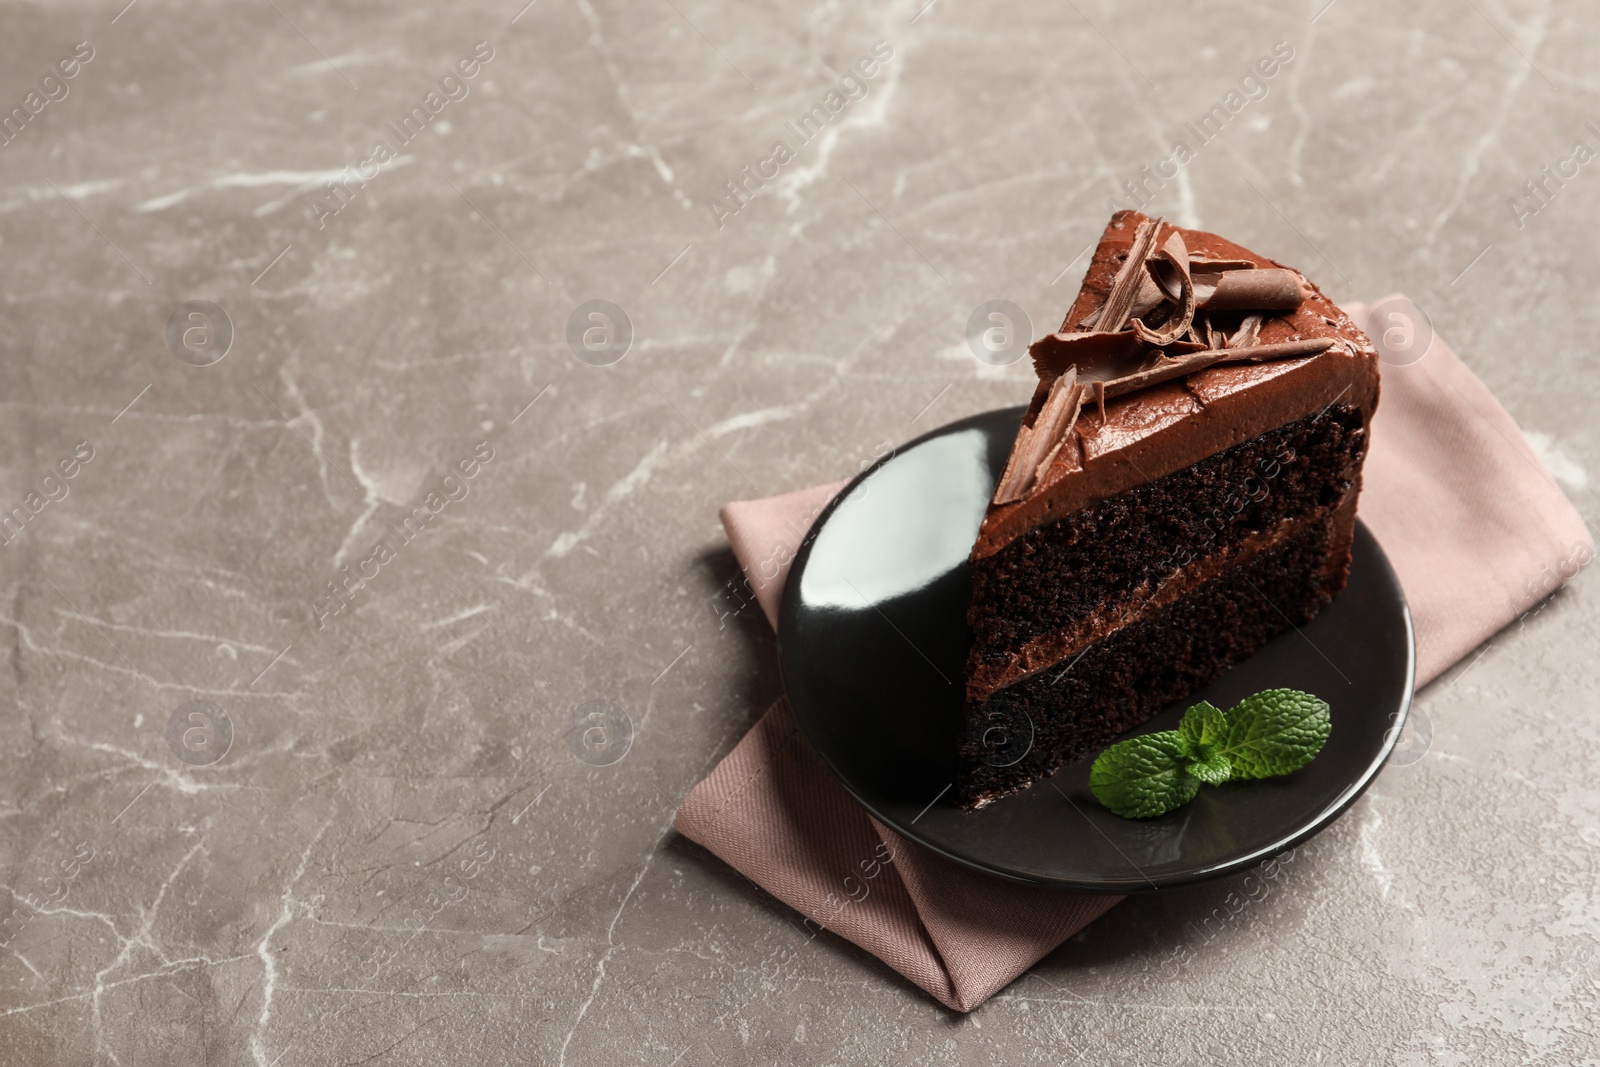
point(872, 641)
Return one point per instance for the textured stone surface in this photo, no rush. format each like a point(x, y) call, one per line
point(401, 858)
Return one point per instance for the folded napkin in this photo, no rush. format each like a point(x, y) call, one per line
point(1475, 528)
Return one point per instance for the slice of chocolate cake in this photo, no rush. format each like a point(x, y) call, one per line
point(1182, 489)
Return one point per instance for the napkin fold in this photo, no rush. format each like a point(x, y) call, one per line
point(1475, 527)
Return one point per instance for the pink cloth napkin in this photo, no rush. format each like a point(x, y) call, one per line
point(1472, 522)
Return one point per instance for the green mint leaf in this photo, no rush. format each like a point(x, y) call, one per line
point(1202, 729)
point(1273, 732)
point(1213, 770)
point(1144, 776)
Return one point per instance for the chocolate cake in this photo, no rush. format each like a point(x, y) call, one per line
point(1182, 489)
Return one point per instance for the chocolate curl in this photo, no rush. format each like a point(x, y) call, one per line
point(1272, 289)
point(1036, 446)
point(1170, 269)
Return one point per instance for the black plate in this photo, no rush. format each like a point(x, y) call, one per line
point(872, 641)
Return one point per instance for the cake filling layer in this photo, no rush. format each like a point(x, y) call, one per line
point(1062, 586)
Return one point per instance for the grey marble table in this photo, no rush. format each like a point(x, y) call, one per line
point(288, 282)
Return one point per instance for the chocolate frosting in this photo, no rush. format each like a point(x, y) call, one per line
point(1169, 426)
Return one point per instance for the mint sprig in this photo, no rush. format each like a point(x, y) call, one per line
point(1268, 734)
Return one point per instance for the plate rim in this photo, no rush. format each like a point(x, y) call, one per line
point(1309, 829)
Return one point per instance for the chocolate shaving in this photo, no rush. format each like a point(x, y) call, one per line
point(1010, 487)
point(1248, 333)
point(1183, 366)
point(1055, 421)
point(1173, 253)
point(1272, 289)
point(1036, 446)
point(1148, 298)
point(1170, 268)
point(1050, 457)
point(1099, 356)
point(1113, 314)
point(1204, 264)
point(1095, 353)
